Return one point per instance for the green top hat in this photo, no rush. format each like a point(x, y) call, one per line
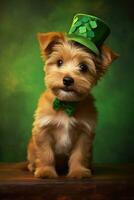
point(89, 31)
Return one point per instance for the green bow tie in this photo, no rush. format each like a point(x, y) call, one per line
point(69, 107)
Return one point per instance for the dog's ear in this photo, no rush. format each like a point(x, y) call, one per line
point(107, 56)
point(48, 40)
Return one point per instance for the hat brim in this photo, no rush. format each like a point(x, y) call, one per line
point(84, 41)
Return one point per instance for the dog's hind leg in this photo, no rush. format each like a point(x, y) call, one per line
point(31, 156)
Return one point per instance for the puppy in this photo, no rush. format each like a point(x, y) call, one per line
point(71, 70)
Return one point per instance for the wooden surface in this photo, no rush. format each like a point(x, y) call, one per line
point(108, 182)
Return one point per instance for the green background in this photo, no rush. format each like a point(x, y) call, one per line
point(21, 74)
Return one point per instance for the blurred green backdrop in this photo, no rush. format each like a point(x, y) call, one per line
point(21, 74)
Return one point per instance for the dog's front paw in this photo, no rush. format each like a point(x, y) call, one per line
point(80, 173)
point(45, 172)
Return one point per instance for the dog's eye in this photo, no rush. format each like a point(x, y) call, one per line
point(59, 62)
point(83, 67)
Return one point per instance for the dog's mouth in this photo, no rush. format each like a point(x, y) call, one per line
point(67, 89)
point(67, 93)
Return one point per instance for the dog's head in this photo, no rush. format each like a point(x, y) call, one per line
point(71, 69)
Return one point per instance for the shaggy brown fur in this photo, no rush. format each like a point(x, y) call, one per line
point(55, 134)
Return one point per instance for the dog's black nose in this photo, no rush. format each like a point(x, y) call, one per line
point(67, 81)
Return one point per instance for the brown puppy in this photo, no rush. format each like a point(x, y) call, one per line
point(71, 70)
